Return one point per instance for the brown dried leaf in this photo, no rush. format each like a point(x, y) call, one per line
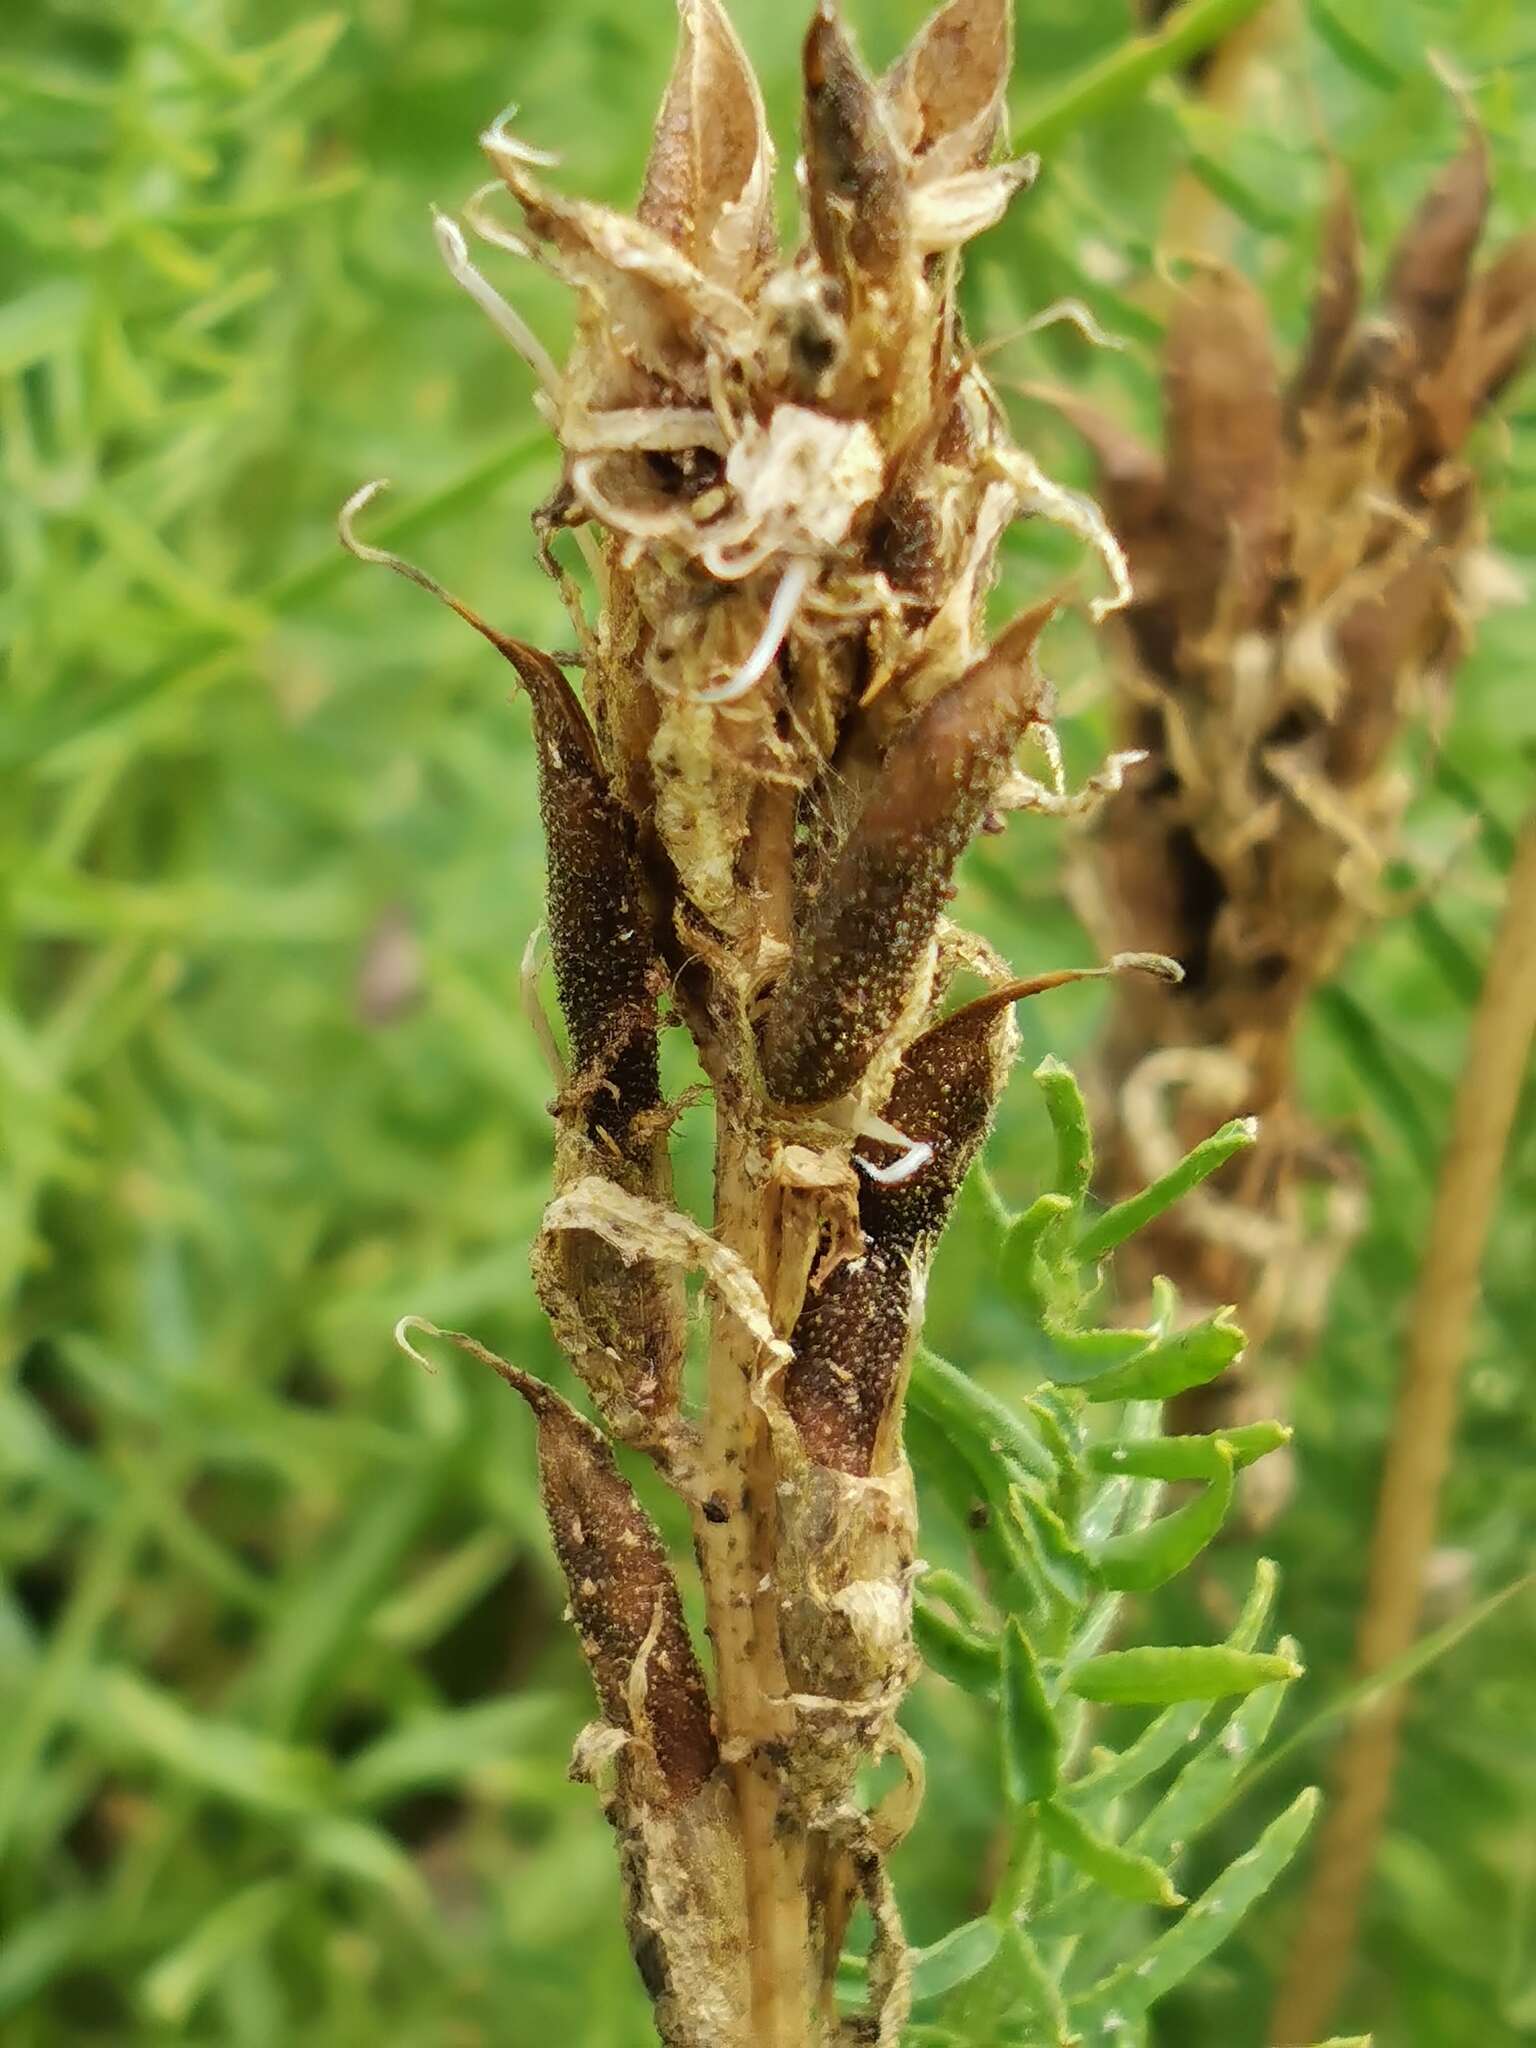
point(650, 306)
point(1432, 264)
point(948, 92)
point(709, 183)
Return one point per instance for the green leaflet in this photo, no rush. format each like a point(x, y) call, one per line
point(1125, 1872)
point(1189, 1457)
point(1144, 1558)
point(1069, 1120)
point(1209, 1780)
point(1115, 1225)
point(1169, 1734)
point(962, 1655)
point(1061, 1562)
point(1137, 1985)
point(982, 1427)
point(1031, 1740)
point(1083, 1354)
point(1190, 1358)
point(963, 1953)
point(1023, 1250)
point(1159, 1677)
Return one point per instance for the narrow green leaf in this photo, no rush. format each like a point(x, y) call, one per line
point(1188, 1457)
point(1121, 1871)
point(962, 1655)
point(1069, 1120)
point(1030, 1737)
point(445, 1749)
point(1171, 1732)
point(1159, 1677)
point(1025, 1245)
point(1085, 1354)
point(1115, 1225)
point(1208, 1781)
point(1125, 72)
point(179, 1980)
point(1190, 1358)
point(1144, 1558)
point(1137, 1985)
point(1036, 1996)
point(1351, 49)
point(1062, 1563)
point(980, 1425)
point(961, 1954)
point(218, 1756)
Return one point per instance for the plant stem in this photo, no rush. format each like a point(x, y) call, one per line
point(1125, 71)
point(1418, 1454)
point(736, 1557)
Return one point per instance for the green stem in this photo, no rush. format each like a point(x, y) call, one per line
point(1123, 72)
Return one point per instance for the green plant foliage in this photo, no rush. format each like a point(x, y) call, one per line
point(1083, 1498)
point(268, 863)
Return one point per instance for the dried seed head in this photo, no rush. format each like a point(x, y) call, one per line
point(624, 1599)
point(1299, 597)
point(877, 910)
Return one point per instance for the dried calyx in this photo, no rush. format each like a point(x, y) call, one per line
point(1309, 560)
point(791, 478)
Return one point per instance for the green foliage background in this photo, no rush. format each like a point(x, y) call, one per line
point(284, 1696)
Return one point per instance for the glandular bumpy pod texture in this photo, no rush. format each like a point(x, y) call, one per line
point(1308, 557)
point(790, 479)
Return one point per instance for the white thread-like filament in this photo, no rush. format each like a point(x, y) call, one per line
point(787, 600)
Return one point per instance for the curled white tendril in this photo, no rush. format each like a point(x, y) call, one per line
point(509, 324)
point(782, 612)
point(498, 140)
point(915, 1152)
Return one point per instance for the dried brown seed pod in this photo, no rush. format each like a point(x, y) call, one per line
point(856, 186)
point(624, 1598)
point(877, 910)
point(948, 94)
point(1432, 264)
point(709, 183)
point(853, 1337)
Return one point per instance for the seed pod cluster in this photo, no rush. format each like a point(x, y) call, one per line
point(1307, 552)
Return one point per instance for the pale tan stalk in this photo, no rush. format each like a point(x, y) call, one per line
point(1419, 1452)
